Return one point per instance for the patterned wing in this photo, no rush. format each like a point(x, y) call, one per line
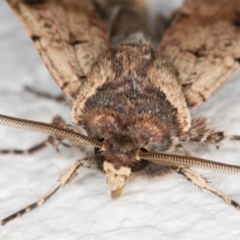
point(203, 43)
point(69, 36)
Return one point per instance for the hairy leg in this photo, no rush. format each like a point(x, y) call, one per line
point(202, 132)
point(180, 149)
point(58, 98)
point(52, 141)
point(49, 141)
point(202, 183)
point(157, 170)
point(69, 174)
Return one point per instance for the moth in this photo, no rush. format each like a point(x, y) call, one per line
point(131, 89)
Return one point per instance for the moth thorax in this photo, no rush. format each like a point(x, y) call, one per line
point(115, 177)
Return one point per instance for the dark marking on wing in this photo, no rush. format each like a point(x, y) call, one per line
point(69, 35)
point(77, 42)
point(203, 44)
point(236, 21)
point(35, 38)
point(34, 2)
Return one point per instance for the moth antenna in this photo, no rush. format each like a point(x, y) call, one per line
point(189, 162)
point(73, 137)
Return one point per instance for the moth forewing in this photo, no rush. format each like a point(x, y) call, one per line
point(132, 99)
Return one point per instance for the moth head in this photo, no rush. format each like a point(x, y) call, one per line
point(115, 177)
point(118, 159)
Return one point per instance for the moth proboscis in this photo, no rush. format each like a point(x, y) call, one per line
point(132, 95)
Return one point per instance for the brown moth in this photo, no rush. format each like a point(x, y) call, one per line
point(132, 95)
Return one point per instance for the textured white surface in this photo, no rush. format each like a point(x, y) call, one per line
point(162, 208)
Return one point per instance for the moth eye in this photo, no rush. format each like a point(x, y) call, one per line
point(99, 158)
point(139, 166)
point(98, 155)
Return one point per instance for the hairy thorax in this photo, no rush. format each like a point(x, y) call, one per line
point(132, 102)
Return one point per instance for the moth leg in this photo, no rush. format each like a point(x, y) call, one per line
point(180, 149)
point(55, 142)
point(202, 183)
point(202, 132)
point(69, 174)
point(49, 141)
point(58, 98)
point(220, 136)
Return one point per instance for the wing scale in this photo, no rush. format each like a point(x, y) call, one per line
point(203, 43)
point(69, 36)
